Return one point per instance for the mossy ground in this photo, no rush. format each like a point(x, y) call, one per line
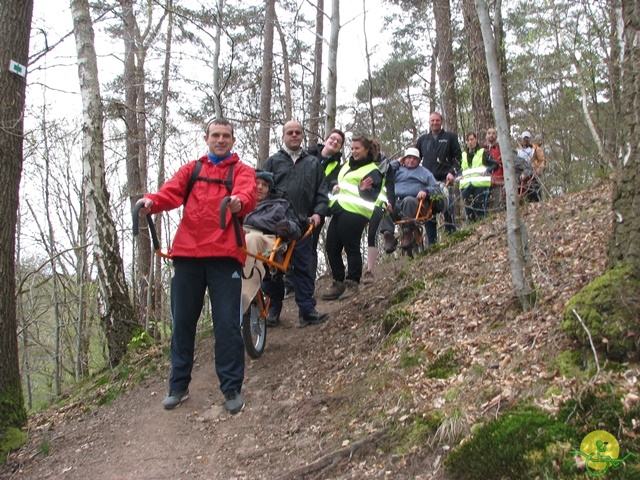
point(527, 442)
point(609, 309)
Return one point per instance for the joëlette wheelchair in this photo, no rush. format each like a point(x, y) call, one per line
point(415, 226)
point(277, 259)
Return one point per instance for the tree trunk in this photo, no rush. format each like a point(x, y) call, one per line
point(217, 102)
point(447, 75)
point(332, 68)
point(372, 117)
point(517, 236)
point(116, 311)
point(288, 102)
point(625, 241)
point(15, 26)
point(316, 90)
point(480, 89)
point(501, 53)
point(130, 116)
point(266, 82)
point(157, 270)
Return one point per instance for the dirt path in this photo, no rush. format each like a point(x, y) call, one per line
point(279, 430)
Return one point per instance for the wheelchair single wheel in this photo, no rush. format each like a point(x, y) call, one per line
point(254, 328)
point(418, 239)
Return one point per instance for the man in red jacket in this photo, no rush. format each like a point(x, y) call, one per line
point(206, 256)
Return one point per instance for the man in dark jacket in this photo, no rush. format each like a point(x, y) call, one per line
point(207, 257)
point(301, 178)
point(440, 152)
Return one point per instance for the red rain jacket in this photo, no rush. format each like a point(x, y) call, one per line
point(199, 234)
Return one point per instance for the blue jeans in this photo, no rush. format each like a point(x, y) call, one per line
point(223, 278)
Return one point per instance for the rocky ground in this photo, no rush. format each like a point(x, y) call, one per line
point(341, 400)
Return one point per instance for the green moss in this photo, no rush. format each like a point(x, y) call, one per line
point(12, 411)
point(415, 431)
point(396, 319)
point(522, 443)
point(407, 293)
point(571, 364)
point(411, 358)
point(444, 365)
point(609, 308)
point(11, 439)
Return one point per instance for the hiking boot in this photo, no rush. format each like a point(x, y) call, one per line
point(234, 402)
point(334, 292)
point(407, 238)
point(390, 242)
point(174, 399)
point(313, 318)
point(368, 278)
point(351, 289)
point(272, 319)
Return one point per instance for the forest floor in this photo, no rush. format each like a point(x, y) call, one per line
point(344, 399)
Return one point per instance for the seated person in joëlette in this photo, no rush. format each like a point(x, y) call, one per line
point(273, 216)
point(412, 183)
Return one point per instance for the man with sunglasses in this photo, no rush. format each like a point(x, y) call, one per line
point(300, 177)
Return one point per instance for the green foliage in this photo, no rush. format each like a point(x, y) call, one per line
point(609, 308)
point(11, 439)
point(395, 320)
point(140, 340)
point(570, 364)
point(444, 365)
point(411, 358)
point(521, 443)
point(415, 431)
point(407, 293)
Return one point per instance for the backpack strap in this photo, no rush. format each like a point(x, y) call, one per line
point(192, 180)
point(195, 177)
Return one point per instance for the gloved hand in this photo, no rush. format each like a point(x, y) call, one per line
point(282, 229)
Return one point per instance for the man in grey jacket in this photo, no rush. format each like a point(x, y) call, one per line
point(300, 177)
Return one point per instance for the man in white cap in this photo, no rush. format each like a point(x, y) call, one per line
point(526, 150)
point(413, 183)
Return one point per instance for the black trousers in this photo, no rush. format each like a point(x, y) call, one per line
point(344, 233)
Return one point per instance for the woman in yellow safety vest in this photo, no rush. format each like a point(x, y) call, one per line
point(355, 194)
point(477, 166)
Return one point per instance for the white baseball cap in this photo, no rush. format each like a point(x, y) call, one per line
point(412, 152)
point(526, 134)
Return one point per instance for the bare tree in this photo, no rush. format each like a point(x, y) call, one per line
point(288, 99)
point(447, 74)
point(517, 236)
point(266, 82)
point(480, 89)
point(15, 26)
point(217, 101)
point(116, 311)
point(332, 68)
point(316, 89)
point(372, 118)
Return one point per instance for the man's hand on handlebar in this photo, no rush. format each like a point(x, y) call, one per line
point(234, 205)
point(148, 203)
point(315, 219)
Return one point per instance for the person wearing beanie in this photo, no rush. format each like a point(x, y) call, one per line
point(273, 216)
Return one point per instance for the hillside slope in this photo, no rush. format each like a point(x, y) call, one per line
point(350, 398)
